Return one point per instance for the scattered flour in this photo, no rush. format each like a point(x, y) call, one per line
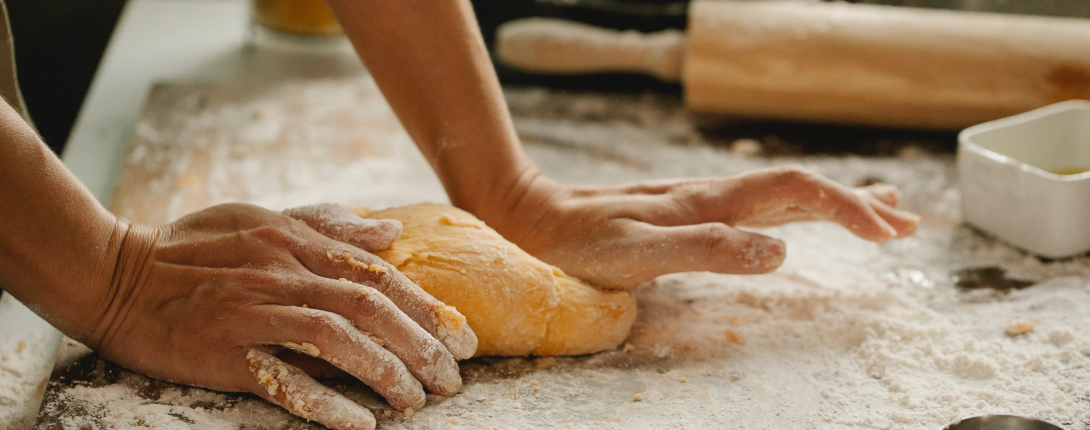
point(27, 349)
point(847, 335)
point(24, 372)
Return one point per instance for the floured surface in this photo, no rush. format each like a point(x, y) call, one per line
point(847, 335)
point(24, 372)
point(28, 346)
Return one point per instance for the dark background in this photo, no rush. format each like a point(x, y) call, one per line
point(58, 44)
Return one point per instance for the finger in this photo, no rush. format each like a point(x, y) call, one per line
point(369, 310)
point(849, 210)
point(783, 216)
point(712, 247)
point(338, 223)
point(885, 193)
point(904, 222)
point(771, 197)
point(291, 389)
point(797, 187)
point(335, 261)
point(332, 338)
point(854, 213)
point(315, 367)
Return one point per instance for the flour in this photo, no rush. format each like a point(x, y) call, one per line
point(24, 371)
point(27, 349)
point(846, 335)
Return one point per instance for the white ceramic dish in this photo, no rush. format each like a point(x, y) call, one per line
point(1009, 187)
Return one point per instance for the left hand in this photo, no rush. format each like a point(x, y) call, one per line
point(623, 236)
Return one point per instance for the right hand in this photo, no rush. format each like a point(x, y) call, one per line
point(620, 236)
point(210, 299)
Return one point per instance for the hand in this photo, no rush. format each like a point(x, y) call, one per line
point(211, 299)
point(623, 236)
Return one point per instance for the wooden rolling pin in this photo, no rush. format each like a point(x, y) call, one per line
point(831, 62)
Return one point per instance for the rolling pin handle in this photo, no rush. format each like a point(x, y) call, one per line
point(554, 46)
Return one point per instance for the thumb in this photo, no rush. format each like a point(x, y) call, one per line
point(338, 223)
point(650, 251)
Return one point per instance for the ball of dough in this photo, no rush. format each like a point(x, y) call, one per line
point(516, 304)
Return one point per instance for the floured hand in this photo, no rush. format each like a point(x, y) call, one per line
point(212, 300)
point(622, 236)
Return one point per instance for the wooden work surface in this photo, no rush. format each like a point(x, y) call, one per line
point(847, 335)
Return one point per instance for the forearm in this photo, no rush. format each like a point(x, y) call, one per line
point(430, 62)
point(58, 246)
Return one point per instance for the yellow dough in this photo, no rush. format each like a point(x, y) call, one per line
point(517, 304)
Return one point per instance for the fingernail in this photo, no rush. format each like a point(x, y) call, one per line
point(771, 253)
point(454, 332)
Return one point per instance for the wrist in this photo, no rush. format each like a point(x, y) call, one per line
point(127, 261)
point(489, 192)
point(521, 205)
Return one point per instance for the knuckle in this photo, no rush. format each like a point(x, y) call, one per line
point(242, 207)
point(368, 301)
point(716, 238)
point(796, 172)
point(277, 232)
point(693, 197)
point(326, 325)
point(243, 213)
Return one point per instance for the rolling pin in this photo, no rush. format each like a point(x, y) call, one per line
point(831, 62)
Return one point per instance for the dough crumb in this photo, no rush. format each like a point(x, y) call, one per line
point(746, 147)
point(734, 337)
point(311, 350)
point(20, 346)
point(627, 348)
point(637, 398)
point(346, 257)
point(452, 420)
point(449, 319)
point(364, 292)
point(409, 412)
point(1020, 326)
point(304, 348)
